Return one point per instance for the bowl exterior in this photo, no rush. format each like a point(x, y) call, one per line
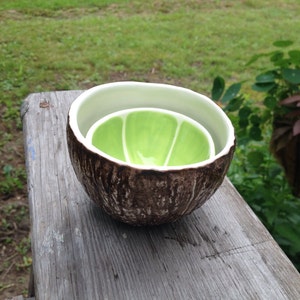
point(144, 197)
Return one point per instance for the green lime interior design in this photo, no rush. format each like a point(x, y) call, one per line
point(152, 137)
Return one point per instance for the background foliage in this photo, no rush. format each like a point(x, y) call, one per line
point(263, 127)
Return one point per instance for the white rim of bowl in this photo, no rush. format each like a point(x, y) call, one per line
point(75, 106)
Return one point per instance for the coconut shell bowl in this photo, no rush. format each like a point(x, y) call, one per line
point(148, 153)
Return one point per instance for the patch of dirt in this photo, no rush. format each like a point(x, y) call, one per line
point(15, 252)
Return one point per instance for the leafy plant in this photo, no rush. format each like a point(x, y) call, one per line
point(13, 179)
point(280, 107)
point(281, 88)
point(270, 122)
point(24, 246)
point(27, 262)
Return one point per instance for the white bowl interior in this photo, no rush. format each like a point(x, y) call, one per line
point(102, 100)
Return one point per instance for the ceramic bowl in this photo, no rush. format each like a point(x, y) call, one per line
point(151, 137)
point(147, 193)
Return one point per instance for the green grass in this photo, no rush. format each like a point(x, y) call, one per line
point(55, 47)
point(53, 5)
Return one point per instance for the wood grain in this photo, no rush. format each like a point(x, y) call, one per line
point(221, 251)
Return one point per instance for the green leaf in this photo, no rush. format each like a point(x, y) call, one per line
point(255, 133)
point(263, 87)
point(218, 88)
point(284, 63)
point(234, 104)
point(254, 58)
point(283, 43)
point(290, 234)
point(277, 57)
point(274, 170)
point(270, 102)
point(243, 138)
point(245, 112)
point(231, 92)
point(243, 123)
point(291, 75)
point(266, 115)
point(294, 56)
point(271, 215)
point(7, 169)
point(255, 119)
point(265, 78)
point(294, 218)
point(255, 158)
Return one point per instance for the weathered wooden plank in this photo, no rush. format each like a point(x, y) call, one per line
point(221, 251)
point(20, 297)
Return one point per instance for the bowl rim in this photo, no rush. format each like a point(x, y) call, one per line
point(75, 106)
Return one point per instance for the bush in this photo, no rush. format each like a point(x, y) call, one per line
point(265, 166)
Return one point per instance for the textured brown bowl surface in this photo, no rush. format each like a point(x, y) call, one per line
point(144, 197)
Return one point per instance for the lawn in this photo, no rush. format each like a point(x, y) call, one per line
point(68, 44)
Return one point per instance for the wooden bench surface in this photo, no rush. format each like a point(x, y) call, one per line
point(221, 251)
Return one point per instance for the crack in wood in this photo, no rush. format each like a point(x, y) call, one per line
point(24, 109)
point(182, 241)
point(115, 274)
